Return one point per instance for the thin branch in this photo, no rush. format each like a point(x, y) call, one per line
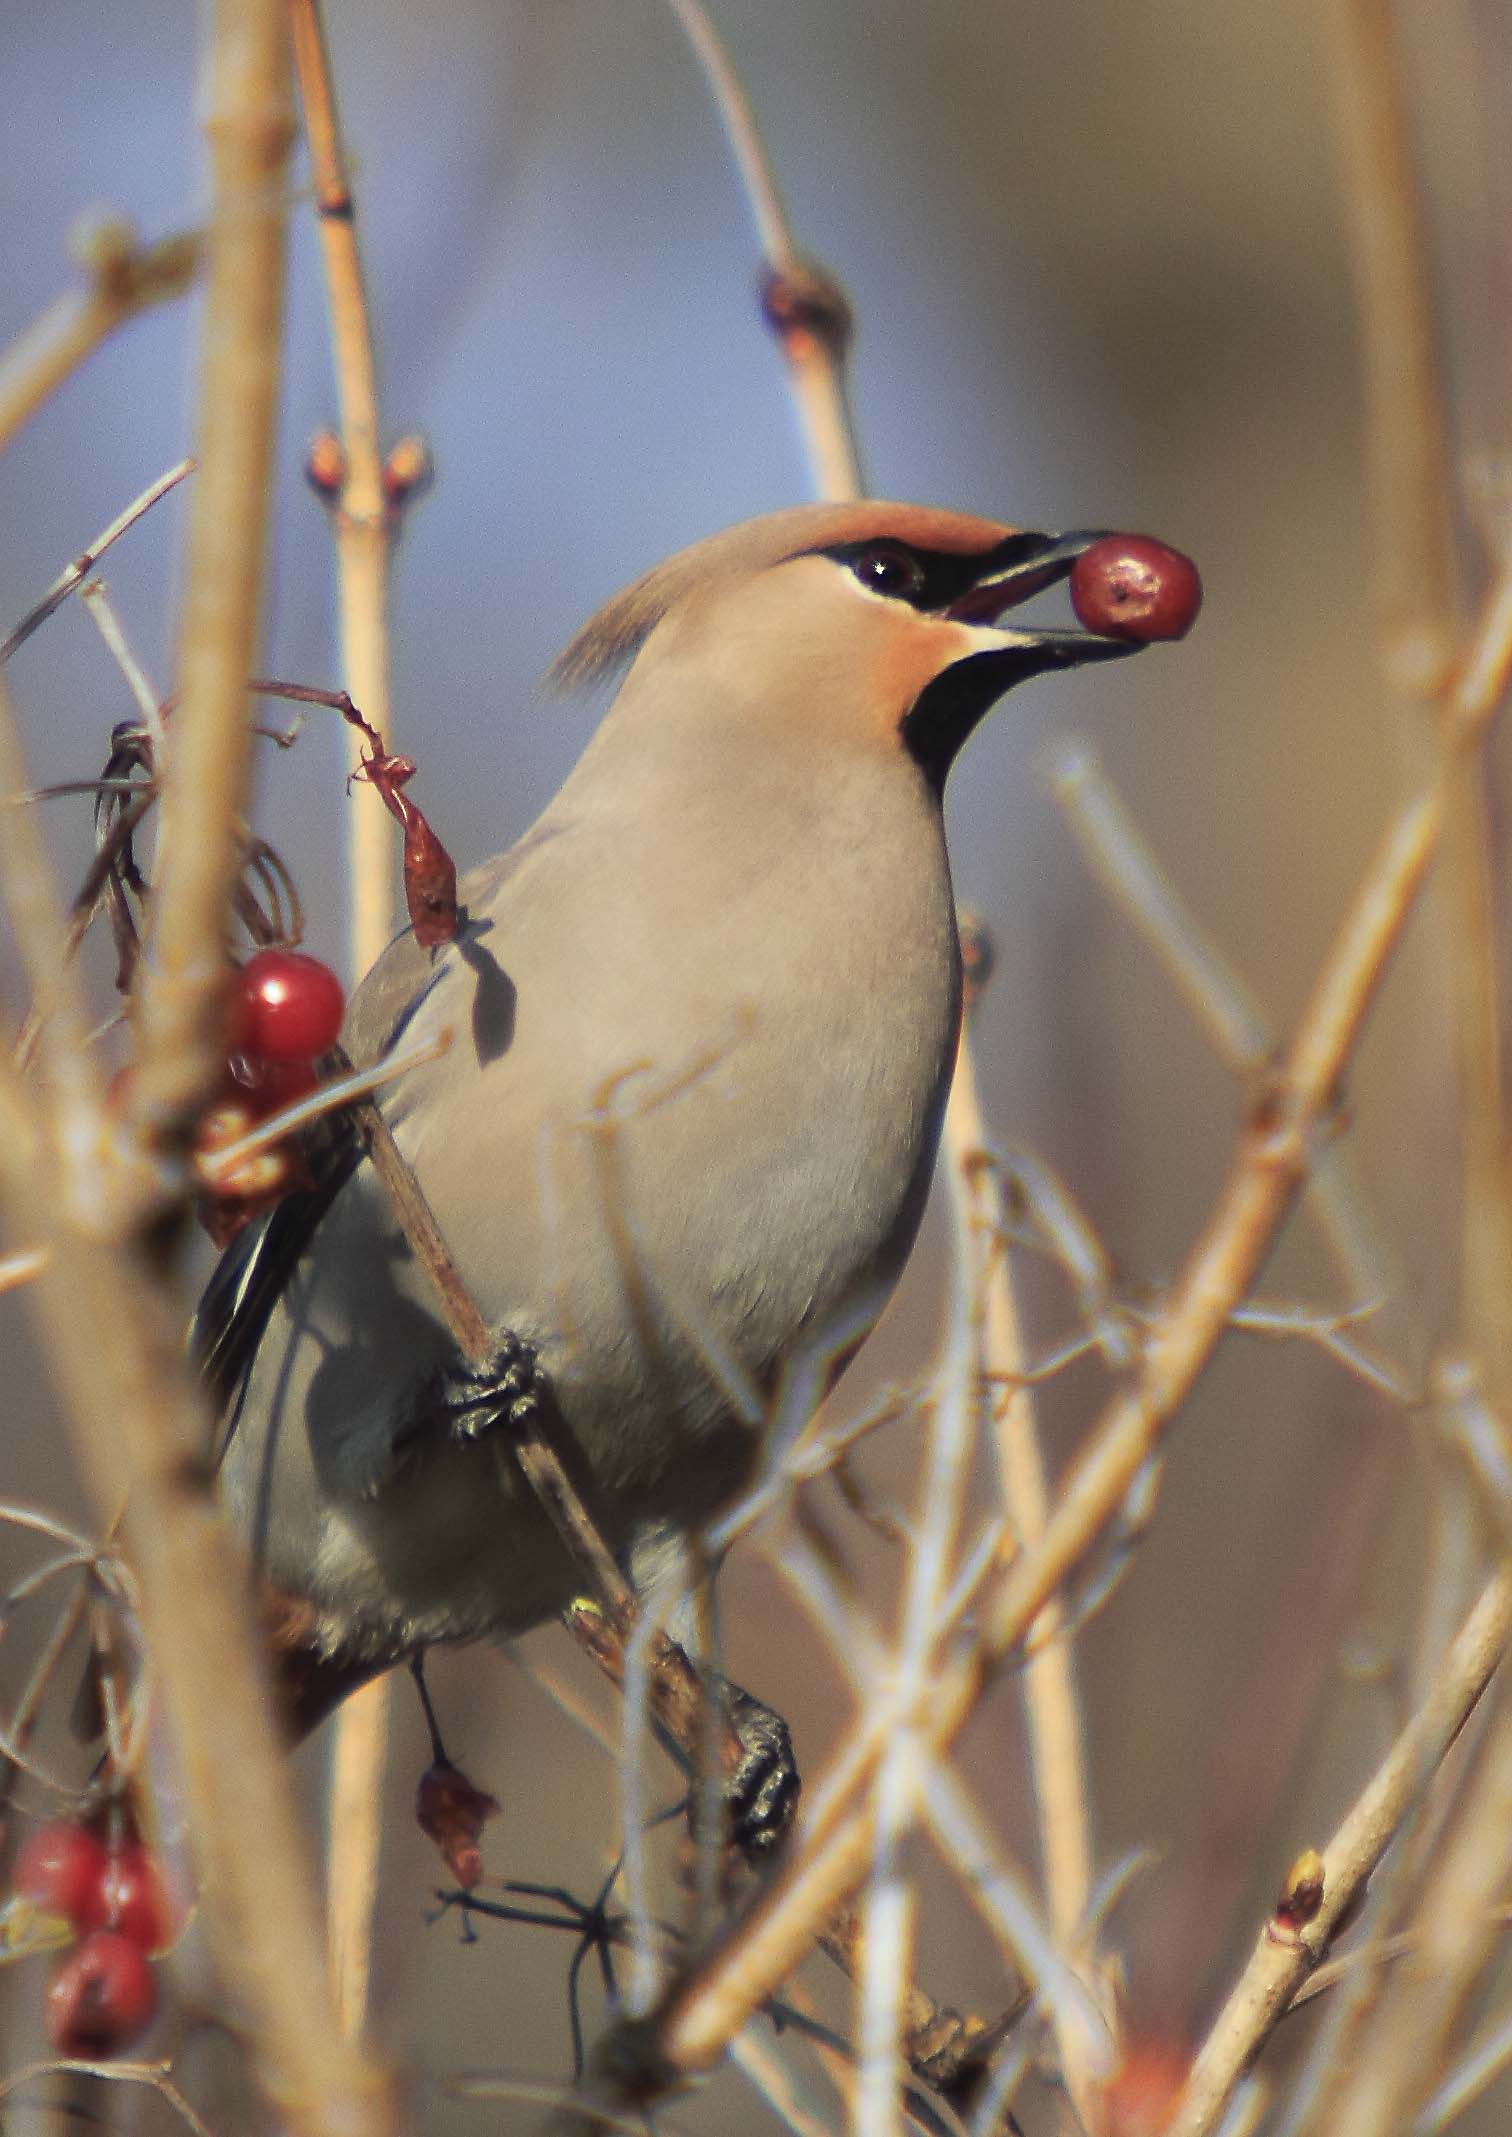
point(774, 231)
point(157, 2076)
point(1408, 445)
point(21, 1268)
point(1279, 1965)
point(1403, 2051)
point(138, 1417)
point(1052, 1710)
point(363, 534)
point(249, 127)
point(84, 563)
point(1407, 439)
point(1113, 849)
point(103, 616)
point(125, 277)
point(362, 511)
point(802, 303)
point(331, 1097)
point(1268, 1170)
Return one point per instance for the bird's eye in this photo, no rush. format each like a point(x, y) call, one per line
point(888, 568)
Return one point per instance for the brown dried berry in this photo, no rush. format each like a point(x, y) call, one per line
point(453, 1813)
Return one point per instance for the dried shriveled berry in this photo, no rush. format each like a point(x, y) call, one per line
point(453, 1813)
point(1131, 586)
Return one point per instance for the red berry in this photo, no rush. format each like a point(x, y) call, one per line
point(268, 1086)
point(1131, 586)
point(131, 1899)
point(102, 1997)
point(290, 1009)
point(60, 1868)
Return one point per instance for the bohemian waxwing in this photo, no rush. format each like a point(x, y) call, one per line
point(705, 1014)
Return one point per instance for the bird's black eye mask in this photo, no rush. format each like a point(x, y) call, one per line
point(978, 588)
point(944, 581)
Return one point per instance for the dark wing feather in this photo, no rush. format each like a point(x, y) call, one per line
point(247, 1282)
point(250, 1276)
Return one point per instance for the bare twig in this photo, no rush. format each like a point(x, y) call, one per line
point(803, 304)
point(1404, 2048)
point(1279, 1965)
point(249, 126)
point(1269, 1167)
point(1055, 1736)
point(1406, 429)
point(363, 530)
point(21, 1268)
point(1407, 435)
point(362, 512)
point(156, 2076)
point(84, 563)
point(125, 277)
point(1129, 872)
point(138, 1418)
point(103, 616)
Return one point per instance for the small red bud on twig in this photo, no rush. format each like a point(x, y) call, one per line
point(406, 472)
point(326, 466)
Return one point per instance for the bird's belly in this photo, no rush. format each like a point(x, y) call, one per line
point(684, 1239)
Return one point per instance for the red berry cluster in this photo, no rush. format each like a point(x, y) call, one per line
point(284, 1012)
point(103, 1993)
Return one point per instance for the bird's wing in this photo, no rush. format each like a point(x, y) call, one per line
point(250, 1277)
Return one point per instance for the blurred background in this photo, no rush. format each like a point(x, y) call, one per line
point(1097, 262)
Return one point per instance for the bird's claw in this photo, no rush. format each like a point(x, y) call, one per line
point(761, 1794)
point(507, 1389)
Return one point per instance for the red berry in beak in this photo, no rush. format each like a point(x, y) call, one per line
point(1131, 586)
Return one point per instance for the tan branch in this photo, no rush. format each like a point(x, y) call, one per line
point(1280, 1965)
point(126, 277)
point(363, 536)
point(362, 519)
point(1409, 454)
point(1460, 1930)
point(803, 304)
point(116, 1347)
point(1406, 434)
point(249, 128)
point(1050, 1698)
point(74, 574)
point(1269, 1168)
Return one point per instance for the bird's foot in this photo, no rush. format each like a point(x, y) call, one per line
point(507, 1389)
point(761, 1791)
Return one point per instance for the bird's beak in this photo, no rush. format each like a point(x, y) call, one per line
point(1021, 566)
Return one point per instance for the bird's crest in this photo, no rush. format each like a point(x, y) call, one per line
point(621, 627)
